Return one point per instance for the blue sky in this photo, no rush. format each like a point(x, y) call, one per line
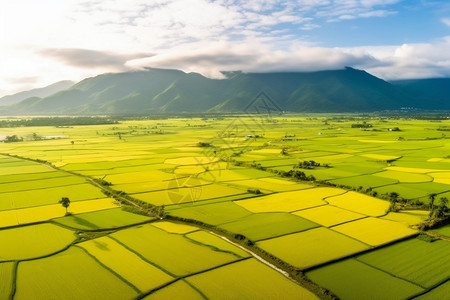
point(45, 41)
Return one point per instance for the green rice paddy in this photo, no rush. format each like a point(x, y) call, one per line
point(218, 204)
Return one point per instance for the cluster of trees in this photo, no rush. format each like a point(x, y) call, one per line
point(438, 210)
point(57, 121)
point(12, 139)
point(363, 125)
point(309, 164)
point(296, 174)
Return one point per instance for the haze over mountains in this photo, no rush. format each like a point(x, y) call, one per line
point(172, 91)
point(41, 92)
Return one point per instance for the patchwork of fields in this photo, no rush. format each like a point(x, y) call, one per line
point(232, 225)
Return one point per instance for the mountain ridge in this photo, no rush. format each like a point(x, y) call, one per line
point(173, 91)
point(38, 92)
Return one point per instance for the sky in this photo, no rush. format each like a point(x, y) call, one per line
point(45, 41)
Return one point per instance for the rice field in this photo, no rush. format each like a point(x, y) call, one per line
point(351, 279)
point(328, 215)
point(103, 219)
point(312, 247)
point(48, 196)
point(360, 203)
point(216, 213)
point(179, 290)
point(309, 225)
point(268, 225)
point(173, 253)
point(248, 279)
point(127, 264)
point(33, 241)
point(60, 277)
point(375, 231)
point(424, 263)
point(440, 292)
point(6, 275)
point(290, 201)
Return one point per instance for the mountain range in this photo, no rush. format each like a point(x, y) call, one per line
point(40, 92)
point(172, 91)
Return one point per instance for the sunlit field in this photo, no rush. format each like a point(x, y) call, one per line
point(288, 207)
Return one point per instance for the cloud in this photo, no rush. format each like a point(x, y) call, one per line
point(421, 60)
point(210, 59)
point(446, 21)
point(73, 39)
point(85, 58)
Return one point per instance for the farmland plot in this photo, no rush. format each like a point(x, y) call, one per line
point(6, 276)
point(328, 215)
point(128, 265)
point(290, 201)
point(110, 218)
point(421, 262)
point(171, 252)
point(312, 247)
point(374, 231)
point(268, 225)
point(61, 277)
point(179, 290)
point(247, 279)
point(33, 241)
point(351, 279)
point(360, 203)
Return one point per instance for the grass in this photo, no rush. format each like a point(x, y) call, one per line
point(47, 196)
point(139, 176)
point(268, 225)
point(172, 252)
point(366, 181)
point(405, 177)
point(33, 241)
point(248, 279)
point(351, 279)
point(421, 262)
point(216, 213)
point(374, 231)
point(177, 195)
point(178, 290)
point(216, 242)
point(79, 207)
point(6, 276)
point(312, 247)
point(143, 162)
point(414, 190)
point(26, 169)
point(440, 292)
point(289, 201)
point(61, 277)
point(127, 264)
point(408, 217)
point(41, 184)
point(271, 184)
point(233, 174)
point(174, 227)
point(360, 203)
point(110, 218)
point(10, 178)
point(328, 215)
point(444, 230)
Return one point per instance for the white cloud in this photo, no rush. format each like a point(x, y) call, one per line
point(46, 41)
point(446, 21)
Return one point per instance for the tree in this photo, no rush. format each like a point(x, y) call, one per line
point(13, 139)
point(432, 197)
point(65, 202)
point(393, 197)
